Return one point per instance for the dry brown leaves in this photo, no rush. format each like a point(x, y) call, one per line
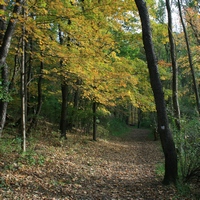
point(87, 170)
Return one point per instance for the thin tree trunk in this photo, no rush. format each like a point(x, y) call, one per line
point(176, 108)
point(94, 107)
point(16, 67)
point(28, 64)
point(76, 103)
point(39, 99)
point(194, 27)
point(4, 101)
point(190, 60)
point(23, 93)
point(39, 103)
point(4, 75)
point(6, 41)
point(64, 90)
point(195, 31)
point(63, 118)
point(163, 124)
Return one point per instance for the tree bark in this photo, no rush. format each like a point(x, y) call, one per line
point(195, 85)
point(176, 109)
point(39, 99)
point(23, 93)
point(163, 124)
point(9, 32)
point(16, 67)
point(28, 67)
point(63, 118)
point(4, 75)
point(5, 45)
point(94, 106)
point(64, 90)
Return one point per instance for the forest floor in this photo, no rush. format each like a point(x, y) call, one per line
point(121, 168)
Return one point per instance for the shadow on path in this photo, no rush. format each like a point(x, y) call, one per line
point(105, 170)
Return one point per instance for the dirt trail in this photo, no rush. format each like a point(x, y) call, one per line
point(125, 169)
point(119, 169)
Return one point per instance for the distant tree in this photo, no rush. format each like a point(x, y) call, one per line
point(94, 107)
point(65, 93)
point(191, 64)
point(176, 109)
point(39, 99)
point(163, 124)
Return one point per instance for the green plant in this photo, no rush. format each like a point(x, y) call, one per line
point(102, 132)
point(188, 147)
point(183, 189)
point(160, 169)
point(4, 95)
point(7, 145)
point(2, 182)
point(31, 158)
point(117, 127)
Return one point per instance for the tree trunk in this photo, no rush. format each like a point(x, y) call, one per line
point(190, 60)
point(176, 109)
point(163, 124)
point(6, 41)
point(63, 118)
point(4, 76)
point(76, 102)
point(194, 29)
point(64, 90)
point(4, 101)
point(28, 67)
point(9, 32)
point(39, 99)
point(94, 106)
point(23, 93)
point(15, 70)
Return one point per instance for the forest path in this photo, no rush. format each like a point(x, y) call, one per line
point(118, 169)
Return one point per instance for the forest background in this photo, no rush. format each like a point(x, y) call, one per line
point(81, 65)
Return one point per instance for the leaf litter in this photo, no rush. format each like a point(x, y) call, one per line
point(116, 169)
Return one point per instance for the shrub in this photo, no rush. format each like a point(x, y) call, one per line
point(188, 148)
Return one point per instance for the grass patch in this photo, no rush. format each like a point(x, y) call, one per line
point(117, 127)
point(160, 169)
point(9, 144)
point(183, 189)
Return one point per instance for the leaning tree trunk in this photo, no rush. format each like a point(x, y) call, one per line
point(5, 45)
point(9, 32)
point(163, 124)
point(194, 27)
point(176, 109)
point(190, 59)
